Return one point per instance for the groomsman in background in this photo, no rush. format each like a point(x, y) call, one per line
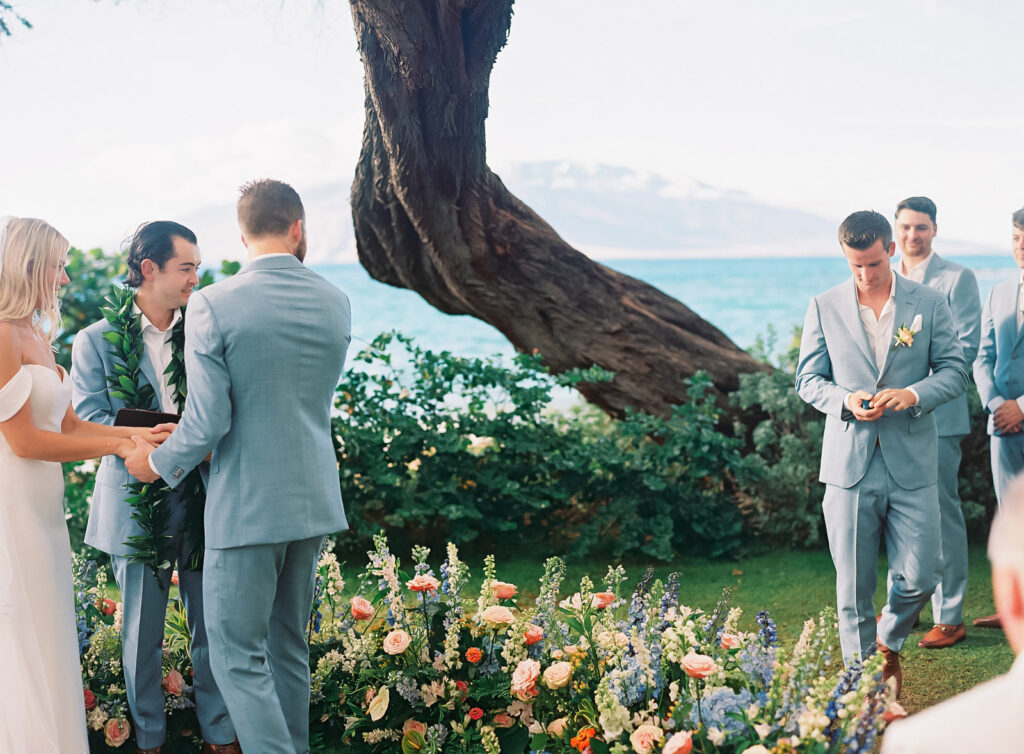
point(999, 372)
point(878, 379)
point(915, 229)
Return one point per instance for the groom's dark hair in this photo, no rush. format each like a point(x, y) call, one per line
point(861, 229)
point(153, 241)
point(268, 208)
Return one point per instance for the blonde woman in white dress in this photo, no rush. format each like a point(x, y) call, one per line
point(42, 708)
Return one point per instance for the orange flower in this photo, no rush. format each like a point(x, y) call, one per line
point(475, 713)
point(582, 739)
point(474, 655)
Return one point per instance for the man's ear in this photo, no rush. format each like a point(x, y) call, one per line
point(148, 268)
point(295, 231)
point(892, 248)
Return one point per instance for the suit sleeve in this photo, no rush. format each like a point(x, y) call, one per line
point(207, 415)
point(89, 381)
point(814, 379)
point(985, 362)
point(946, 359)
point(965, 303)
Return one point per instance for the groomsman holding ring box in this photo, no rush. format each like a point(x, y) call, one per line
point(915, 229)
point(882, 339)
point(999, 373)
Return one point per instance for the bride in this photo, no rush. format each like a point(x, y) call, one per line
point(42, 707)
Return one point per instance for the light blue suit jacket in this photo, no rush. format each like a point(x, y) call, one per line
point(958, 284)
point(264, 351)
point(836, 359)
point(999, 368)
point(110, 522)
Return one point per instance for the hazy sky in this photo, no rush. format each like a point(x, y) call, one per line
point(113, 113)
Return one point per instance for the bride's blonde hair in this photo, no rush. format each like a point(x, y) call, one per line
point(32, 249)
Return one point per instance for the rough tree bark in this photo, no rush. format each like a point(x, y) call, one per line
point(430, 216)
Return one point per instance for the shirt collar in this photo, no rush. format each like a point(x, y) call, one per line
point(892, 294)
point(144, 322)
point(922, 265)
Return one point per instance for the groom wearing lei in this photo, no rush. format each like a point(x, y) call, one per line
point(142, 339)
point(878, 354)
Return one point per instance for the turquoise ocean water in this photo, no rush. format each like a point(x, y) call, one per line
point(740, 296)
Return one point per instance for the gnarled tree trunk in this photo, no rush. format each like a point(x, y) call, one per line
point(430, 216)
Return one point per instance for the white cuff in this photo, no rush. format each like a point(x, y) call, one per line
point(995, 403)
point(156, 471)
point(1020, 403)
point(917, 398)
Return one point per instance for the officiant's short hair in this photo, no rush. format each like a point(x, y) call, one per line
point(861, 229)
point(1018, 218)
point(268, 208)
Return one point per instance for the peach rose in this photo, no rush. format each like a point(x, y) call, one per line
point(557, 727)
point(503, 590)
point(893, 712)
point(602, 599)
point(524, 680)
point(173, 683)
point(423, 583)
point(116, 731)
point(680, 743)
point(557, 675)
point(645, 737)
point(756, 749)
point(415, 725)
point(174, 577)
point(396, 642)
point(503, 720)
point(698, 666)
point(497, 616)
point(90, 699)
point(361, 608)
point(730, 641)
point(533, 634)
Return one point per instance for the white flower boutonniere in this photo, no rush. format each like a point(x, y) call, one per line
point(904, 336)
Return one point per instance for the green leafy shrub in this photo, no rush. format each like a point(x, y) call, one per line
point(432, 446)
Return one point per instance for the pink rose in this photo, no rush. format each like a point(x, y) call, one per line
point(90, 699)
point(603, 599)
point(173, 683)
point(396, 642)
point(116, 731)
point(497, 616)
point(894, 712)
point(680, 743)
point(415, 725)
point(174, 577)
point(106, 606)
point(361, 608)
point(645, 737)
point(533, 634)
point(698, 666)
point(503, 720)
point(730, 641)
point(502, 590)
point(524, 680)
point(423, 583)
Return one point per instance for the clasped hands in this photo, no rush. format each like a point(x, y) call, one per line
point(136, 460)
point(898, 399)
point(1008, 418)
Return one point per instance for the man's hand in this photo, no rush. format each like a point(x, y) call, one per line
point(137, 461)
point(1008, 418)
point(898, 399)
point(862, 414)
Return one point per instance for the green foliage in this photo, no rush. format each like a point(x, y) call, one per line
point(434, 446)
point(779, 480)
point(7, 16)
point(92, 274)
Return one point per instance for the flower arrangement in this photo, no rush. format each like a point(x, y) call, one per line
point(411, 662)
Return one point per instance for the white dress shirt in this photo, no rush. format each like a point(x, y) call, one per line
point(158, 349)
point(879, 332)
point(916, 273)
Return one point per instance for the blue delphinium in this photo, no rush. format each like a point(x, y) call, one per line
point(767, 634)
point(408, 689)
point(758, 662)
point(847, 682)
point(638, 604)
point(716, 705)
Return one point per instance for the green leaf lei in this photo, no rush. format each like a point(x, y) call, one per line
point(149, 500)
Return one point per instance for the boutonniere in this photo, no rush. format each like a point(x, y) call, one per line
point(904, 336)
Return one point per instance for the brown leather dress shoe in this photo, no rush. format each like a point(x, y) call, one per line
point(989, 621)
point(892, 668)
point(231, 748)
point(942, 635)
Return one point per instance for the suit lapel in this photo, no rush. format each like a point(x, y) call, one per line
point(849, 312)
point(1011, 308)
point(934, 269)
point(149, 371)
point(904, 309)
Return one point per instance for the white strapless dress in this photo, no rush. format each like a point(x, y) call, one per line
point(42, 708)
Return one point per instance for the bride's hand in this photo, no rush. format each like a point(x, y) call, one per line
point(156, 435)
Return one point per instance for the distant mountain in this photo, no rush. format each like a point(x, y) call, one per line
point(603, 210)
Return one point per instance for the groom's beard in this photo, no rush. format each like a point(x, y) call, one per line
point(300, 250)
